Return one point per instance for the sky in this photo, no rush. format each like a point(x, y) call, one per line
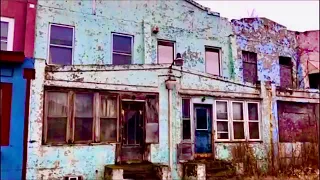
point(295, 15)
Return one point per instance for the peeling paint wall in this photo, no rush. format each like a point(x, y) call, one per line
point(308, 43)
point(190, 27)
point(269, 40)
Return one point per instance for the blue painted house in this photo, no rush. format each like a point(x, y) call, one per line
point(16, 72)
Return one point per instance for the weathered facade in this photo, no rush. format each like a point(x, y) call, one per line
point(106, 92)
point(16, 73)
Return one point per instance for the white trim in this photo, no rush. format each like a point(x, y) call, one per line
point(10, 37)
point(243, 121)
point(222, 120)
point(257, 121)
point(63, 46)
point(132, 46)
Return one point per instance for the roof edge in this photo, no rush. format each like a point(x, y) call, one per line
point(208, 10)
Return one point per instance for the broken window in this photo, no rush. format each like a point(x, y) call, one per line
point(314, 80)
point(165, 52)
point(61, 44)
point(122, 49)
point(7, 33)
point(222, 120)
point(186, 126)
point(285, 72)
point(212, 58)
point(108, 118)
point(238, 120)
point(5, 112)
point(249, 60)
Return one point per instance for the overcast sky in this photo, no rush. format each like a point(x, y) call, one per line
point(295, 15)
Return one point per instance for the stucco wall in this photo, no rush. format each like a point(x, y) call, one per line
point(190, 27)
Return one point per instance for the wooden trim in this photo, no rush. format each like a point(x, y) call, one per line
point(96, 117)
point(45, 117)
point(70, 119)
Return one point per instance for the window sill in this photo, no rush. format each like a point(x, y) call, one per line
point(80, 144)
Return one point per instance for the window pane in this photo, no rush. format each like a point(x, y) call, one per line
point(108, 107)
point(185, 108)
point(84, 105)
point(222, 110)
point(122, 44)
point(202, 118)
point(4, 30)
point(83, 129)
point(223, 136)
point(61, 35)
point(56, 129)
point(108, 129)
point(119, 59)
point(212, 62)
point(253, 111)
point(237, 111)
point(238, 130)
point(165, 54)
point(254, 130)
point(4, 45)
point(250, 72)
point(57, 104)
point(222, 126)
point(84, 117)
point(60, 55)
point(186, 133)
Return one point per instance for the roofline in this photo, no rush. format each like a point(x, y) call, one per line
point(208, 10)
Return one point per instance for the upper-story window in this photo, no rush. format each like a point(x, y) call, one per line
point(212, 56)
point(285, 72)
point(61, 44)
point(165, 51)
point(122, 49)
point(249, 60)
point(314, 80)
point(7, 33)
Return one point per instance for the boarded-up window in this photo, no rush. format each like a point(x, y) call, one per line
point(83, 117)
point(249, 60)
point(186, 125)
point(152, 119)
point(285, 72)
point(108, 119)
point(5, 112)
point(165, 52)
point(297, 122)
point(212, 61)
point(57, 116)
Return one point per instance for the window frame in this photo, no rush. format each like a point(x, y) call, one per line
point(258, 121)
point(221, 120)
point(172, 44)
point(61, 46)
point(186, 119)
point(249, 62)
point(212, 48)
point(243, 120)
point(70, 129)
point(10, 38)
point(132, 46)
point(289, 66)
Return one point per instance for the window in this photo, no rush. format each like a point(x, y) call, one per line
point(243, 121)
point(186, 130)
point(165, 52)
point(7, 33)
point(201, 118)
point(285, 72)
point(314, 80)
point(70, 116)
point(61, 44)
point(212, 56)
point(249, 60)
point(5, 112)
point(122, 49)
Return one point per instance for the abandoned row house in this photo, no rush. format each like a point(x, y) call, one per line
point(94, 89)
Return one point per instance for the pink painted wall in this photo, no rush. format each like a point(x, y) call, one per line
point(24, 13)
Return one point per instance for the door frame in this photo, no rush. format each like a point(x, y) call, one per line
point(202, 101)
